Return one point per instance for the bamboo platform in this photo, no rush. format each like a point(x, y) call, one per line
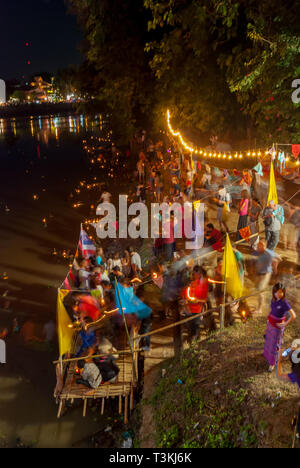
point(122, 388)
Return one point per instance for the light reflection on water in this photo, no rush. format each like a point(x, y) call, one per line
point(50, 126)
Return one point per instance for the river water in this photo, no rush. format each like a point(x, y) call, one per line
point(42, 161)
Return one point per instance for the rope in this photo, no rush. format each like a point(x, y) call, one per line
point(201, 314)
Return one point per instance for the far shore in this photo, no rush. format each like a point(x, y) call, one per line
point(33, 109)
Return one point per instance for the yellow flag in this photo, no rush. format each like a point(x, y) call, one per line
point(272, 195)
point(230, 271)
point(65, 333)
point(197, 205)
point(192, 163)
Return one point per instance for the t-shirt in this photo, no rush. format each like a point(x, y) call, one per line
point(104, 277)
point(221, 197)
point(294, 378)
point(280, 308)
point(88, 339)
point(244, 207)
point(239, 257)
point(136, 260)
point(215, 240)
point(274, 223)
point(264, 261)
point(98, 292)
point(99, 260)
point(254, 210)
point(199, 290)
point(84, 279)
point(168, 227)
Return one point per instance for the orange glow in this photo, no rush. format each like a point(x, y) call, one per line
point(216, 282)
point(188, 293)
point(137, 280)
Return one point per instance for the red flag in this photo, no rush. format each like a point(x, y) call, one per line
point(72, 276)
point(296, 150)
point(245, 233)
point(66, 285)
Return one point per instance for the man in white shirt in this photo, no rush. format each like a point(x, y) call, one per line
point(136, 263)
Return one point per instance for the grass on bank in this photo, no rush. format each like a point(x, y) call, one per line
point(226, 398)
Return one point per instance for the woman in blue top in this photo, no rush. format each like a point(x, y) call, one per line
point(294, 376)
point(100, 257)
point(280, 317)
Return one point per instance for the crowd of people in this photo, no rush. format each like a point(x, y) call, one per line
point(165, 174)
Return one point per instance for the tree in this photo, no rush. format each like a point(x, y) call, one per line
point(247, 48)
point(114, 40)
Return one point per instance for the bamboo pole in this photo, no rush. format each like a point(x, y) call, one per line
point(126, 410)
point(127, 332)
point(92, 356)
point(222, 317)
point(120, 404)
point(295, 432)
point(84, 406)
point(131, 397)
point(59, 409)
point(102, 406)
point(192, 176)
point(213, 309)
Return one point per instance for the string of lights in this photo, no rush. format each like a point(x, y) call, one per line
point(212, 154)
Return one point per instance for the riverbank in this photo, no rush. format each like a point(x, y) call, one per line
point(218, 394)
point(33, 109)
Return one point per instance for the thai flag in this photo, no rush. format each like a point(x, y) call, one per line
point(86, 246)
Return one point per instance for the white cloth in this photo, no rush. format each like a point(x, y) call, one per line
point(84, 279)
point(104, 277)
point(116, 262)
point(2, 352)
point(92, 374)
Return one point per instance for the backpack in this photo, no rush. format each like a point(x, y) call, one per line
point(267, 221)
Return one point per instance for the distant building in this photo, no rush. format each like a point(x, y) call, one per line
point(2, 92)
point(41, 89)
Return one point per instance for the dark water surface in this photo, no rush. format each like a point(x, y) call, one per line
point(42, 161)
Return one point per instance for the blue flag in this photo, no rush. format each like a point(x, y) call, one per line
point(131, 303)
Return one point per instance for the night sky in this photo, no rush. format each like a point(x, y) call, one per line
point(53, 36)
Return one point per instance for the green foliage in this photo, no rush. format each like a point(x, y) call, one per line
point(248, 51)
point(186, 417)
point(221, 66)
point(170, 437)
